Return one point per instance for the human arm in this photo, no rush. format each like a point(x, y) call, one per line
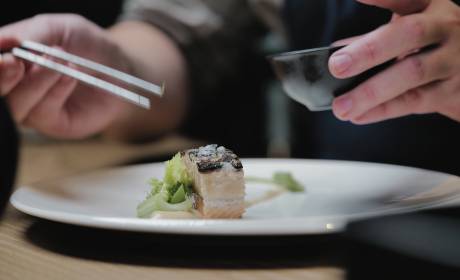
point(61, 108)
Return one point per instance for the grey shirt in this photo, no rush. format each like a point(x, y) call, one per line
point(220, 40)
point(189, 20)
point(212, 34)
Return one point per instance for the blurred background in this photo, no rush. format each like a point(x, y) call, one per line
point(269, 136)
point(262, 122)
point(103, 12)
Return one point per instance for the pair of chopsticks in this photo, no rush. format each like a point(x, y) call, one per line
point(23, 53)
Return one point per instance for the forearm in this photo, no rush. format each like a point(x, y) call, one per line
point(153, 56)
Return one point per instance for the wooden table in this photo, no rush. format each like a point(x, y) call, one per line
point(31, 248)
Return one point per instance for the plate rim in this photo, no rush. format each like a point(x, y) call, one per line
point(213, 227)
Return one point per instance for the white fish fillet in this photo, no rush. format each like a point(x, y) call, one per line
point(218, 181)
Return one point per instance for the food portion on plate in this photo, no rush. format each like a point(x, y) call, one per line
point(207, 182)
point(284, 180)
point(281, 181)
point(108, 198)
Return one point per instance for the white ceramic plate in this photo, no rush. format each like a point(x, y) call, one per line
point(336, 192)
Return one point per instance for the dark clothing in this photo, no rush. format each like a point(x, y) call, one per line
point(8, 154)
point(427, 141)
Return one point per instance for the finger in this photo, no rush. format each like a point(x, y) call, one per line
point(422, 100)
point(385, 43)
point(7, 43)
point(30, 90)
point(395, 17)
point(11, 73)
point(401, 7)
point(448, 99)
point(40, 28)
point(346, 41)
point(412, 72)
point(46, 116)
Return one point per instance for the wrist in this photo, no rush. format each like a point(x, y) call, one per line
point(149, 54)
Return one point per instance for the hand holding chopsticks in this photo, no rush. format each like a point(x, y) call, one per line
point(23, 53)
point(64, 93)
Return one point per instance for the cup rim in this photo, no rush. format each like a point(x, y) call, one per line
point(302, 52)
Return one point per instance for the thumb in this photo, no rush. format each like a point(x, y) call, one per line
point(7, 43)
point(401, 7)
point(346, 41)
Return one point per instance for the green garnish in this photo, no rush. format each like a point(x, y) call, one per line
point(179, 195)
point(284, 180)
point(176, 172)
point(157, 185)
point(159, 202)
point(171, 194)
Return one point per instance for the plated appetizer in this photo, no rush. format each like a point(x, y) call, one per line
point(207, 182)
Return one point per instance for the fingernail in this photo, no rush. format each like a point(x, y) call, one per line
point(359, 121)
point(340, 63)
point(343, 106)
